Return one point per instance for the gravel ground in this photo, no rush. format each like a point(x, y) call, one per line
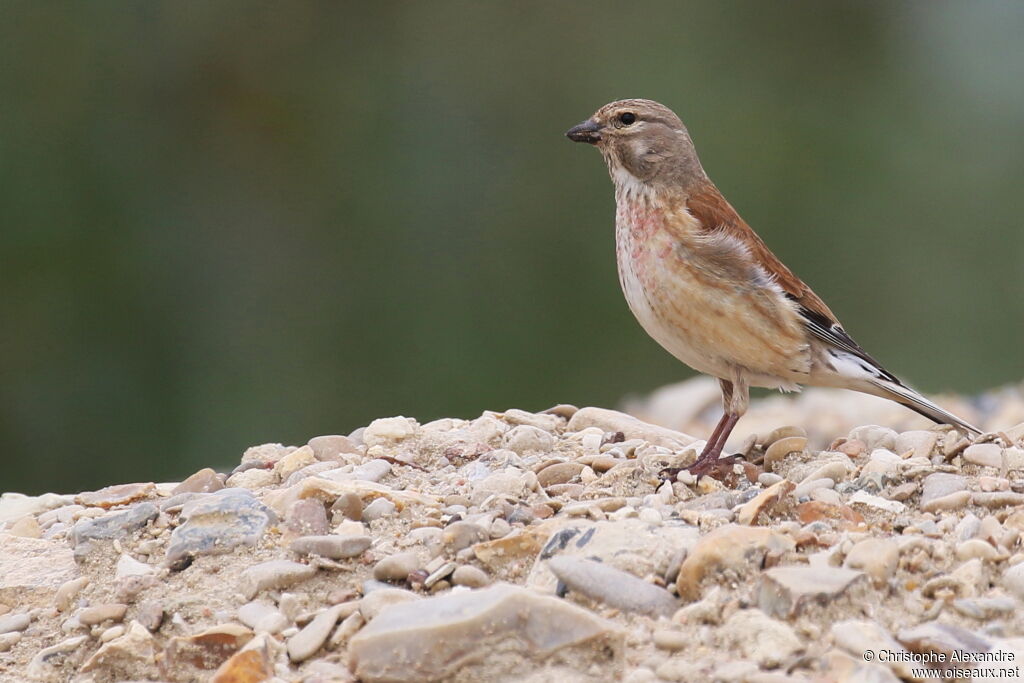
point(524, 546)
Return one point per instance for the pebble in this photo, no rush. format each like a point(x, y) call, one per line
point(389, 430)
point(459, 535)
point(755, 635)
point(468, 575)
point(918, 443)
point(985, 454)
point(670, 639)
point(262, 617)
point(203, 481)
point(877, 557)
point(273, 575)
point(97, 614)
point(976, 548)
point(396, 567)
point(763, 502)
point(611, 586)
point(9, 640)
point(350, 505)
point(858, 636)
point(524, 439)
point(873, 436)
point(307, 517)
point(729, 547)
point(787, 591)
point(150, 614)
point(378, 509)
point(1013, 580)
point(334, 547)
point(116, 525)
point(15, 622)
point(441, 635)
point(373, 602)
point(330, 447)
point(121, 494)
point(217, 523)
point(306, 642)
point(559, 473)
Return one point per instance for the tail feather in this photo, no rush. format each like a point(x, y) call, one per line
point(918, 403)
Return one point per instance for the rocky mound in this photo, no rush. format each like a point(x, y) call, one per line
point(531, 547)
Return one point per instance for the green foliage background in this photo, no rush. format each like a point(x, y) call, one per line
point(224, 223)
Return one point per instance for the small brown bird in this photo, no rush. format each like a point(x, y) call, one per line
point(704, 286)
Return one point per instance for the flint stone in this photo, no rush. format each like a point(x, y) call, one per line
point(120, 494)
point(15, 622)
point(46, 664)
point(757, 636)
point(985, 454)
point(939, 485)
point(113, 526)
point(631, 545)
point(203, 481)
point(611, 586)
point(787, 591)
point(217, 523)
point(262, 617)
point(333, 547)
point(373, 602)
point(306, 642)
point(273, 574)
point(439, 637)
point(17, 505)
point(33, 569)
point(631, 428)
point(729, 547)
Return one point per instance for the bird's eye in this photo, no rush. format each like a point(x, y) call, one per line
point(627, 118)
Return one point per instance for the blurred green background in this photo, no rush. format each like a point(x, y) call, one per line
point(225, 223)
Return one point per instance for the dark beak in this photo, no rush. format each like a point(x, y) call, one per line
point(588, 131)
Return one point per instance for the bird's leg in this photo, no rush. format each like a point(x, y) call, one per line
point(735, 397)
point(716, 442)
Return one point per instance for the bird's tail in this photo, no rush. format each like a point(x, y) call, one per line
point(905, 395)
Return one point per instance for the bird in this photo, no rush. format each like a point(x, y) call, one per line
point(707, 288)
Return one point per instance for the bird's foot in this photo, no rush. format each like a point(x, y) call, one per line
point(716, 468)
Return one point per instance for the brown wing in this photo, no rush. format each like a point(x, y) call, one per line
point(708, 206)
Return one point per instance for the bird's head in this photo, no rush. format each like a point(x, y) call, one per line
point(643, 139)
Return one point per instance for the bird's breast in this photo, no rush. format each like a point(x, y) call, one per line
point(710, 308)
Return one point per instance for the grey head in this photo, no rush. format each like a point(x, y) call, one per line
point(645, 139)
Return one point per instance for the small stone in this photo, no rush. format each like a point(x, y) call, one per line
point(132, 655)
point(459, 535)
point(396, 567)
point(455, 633)
point(372, 603)
point(749, 513)
point(69, 591)
point(998, 499)
point(511, 482)
point(729, 547)
point(760, 638)
point(977, 548)
point(874, 437)
point(878, 503)
point(97, 614)
point(150, 614)
point(842, 516)
point(985, 454)
point(940, 484)
point(878, 557)
point(306, 642)
point(10, 623)
point(217, 523)
point(207, 649)
point(122, 494)
point(330, 447)
point(293, 462)
point(251, 480)
point(857, 637)
point(559, 473)
point(670, 639)
point(203, 481)
point(117, 525)
point(918, 442)
point(611, 586)
point(128, 566)
point(262, 617)
point(350, 505)
point(787, 591)
point(525, 439)
point(984, 609)
point(334, 547)
point(631, 427)
point(1013, 580)
point(948, 639)
point(26, 527)
point(783, 447)
point(273, 575)
point(9, 640)
point(378, 509)
point(47, 663)
point(389, 430)
point(468, 575)
point(307, 517)
point(251, 664)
